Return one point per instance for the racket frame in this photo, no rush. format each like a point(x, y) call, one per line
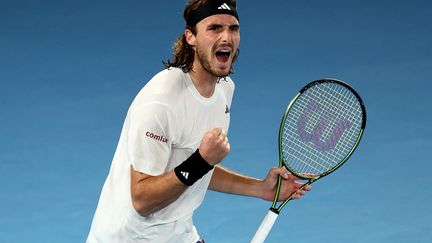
point(282, 162)
point(273, 213)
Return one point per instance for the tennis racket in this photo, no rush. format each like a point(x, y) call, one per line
point(321, 128)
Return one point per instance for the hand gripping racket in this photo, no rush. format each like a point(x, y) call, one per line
point(321, 128)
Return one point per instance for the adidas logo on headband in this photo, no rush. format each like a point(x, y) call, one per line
point(210, 8)
point(224, 6)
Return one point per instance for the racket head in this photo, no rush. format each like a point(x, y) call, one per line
point(321, 128)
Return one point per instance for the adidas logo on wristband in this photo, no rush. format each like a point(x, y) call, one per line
point(192, 169)
point(185, 174)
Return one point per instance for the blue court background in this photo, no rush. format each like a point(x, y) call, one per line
point(70, 69)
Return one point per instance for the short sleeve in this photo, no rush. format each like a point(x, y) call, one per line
point(150, 137)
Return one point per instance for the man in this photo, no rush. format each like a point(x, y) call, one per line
point(174, 137)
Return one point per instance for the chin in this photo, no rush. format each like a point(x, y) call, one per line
point(223, 72)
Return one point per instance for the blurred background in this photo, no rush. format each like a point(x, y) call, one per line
point(70, 69)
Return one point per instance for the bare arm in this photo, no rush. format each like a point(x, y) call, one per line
point(224, 180)
point(153, 193)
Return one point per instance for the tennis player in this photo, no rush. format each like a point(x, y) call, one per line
point(174, 137)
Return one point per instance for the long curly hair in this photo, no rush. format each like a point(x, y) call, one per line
point(183, 54)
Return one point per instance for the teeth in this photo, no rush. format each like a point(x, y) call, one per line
point(224, 52)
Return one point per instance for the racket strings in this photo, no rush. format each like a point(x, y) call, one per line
point(321, 128)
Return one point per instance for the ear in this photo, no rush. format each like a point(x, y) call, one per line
point(190, 37)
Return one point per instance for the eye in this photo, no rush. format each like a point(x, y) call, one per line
point(234, 28)
point(215, 27)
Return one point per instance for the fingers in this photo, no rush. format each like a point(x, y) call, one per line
point(300, 190)
point(307, 188)
point(291, 183)
point(280, 171)
point(215, 145)
point(218, 130)
point(221, 137)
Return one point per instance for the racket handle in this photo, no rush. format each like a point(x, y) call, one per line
point(265, 227)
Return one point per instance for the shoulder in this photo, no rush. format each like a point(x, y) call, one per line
point(164, 87)
point(167, 80)
point(227, 85)
point(227, 81)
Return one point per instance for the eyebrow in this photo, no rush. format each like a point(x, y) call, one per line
point(210, 26)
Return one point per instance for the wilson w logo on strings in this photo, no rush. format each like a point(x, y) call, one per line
point(321, 131)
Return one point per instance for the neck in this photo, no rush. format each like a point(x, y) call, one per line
point(203, 81)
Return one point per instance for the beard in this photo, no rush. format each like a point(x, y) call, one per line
point(205, 61)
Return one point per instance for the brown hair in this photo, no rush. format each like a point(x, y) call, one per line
point(183, 53)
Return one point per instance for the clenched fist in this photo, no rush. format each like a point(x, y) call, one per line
point(214, 146)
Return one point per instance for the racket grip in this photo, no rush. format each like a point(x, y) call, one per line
point(265, 227)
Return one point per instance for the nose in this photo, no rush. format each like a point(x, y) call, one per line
point(226, 35)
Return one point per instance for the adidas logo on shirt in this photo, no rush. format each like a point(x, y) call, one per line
point(224, 6)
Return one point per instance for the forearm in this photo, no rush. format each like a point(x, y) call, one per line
point(153, 193)
point(224, 180)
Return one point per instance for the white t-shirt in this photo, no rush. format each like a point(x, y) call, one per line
point(163, 127)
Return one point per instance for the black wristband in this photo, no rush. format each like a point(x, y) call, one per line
point(192, 169)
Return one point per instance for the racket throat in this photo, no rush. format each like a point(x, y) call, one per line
point(274, 210)
point(276, 197)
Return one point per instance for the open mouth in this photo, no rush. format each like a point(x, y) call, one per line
point(223, 55)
